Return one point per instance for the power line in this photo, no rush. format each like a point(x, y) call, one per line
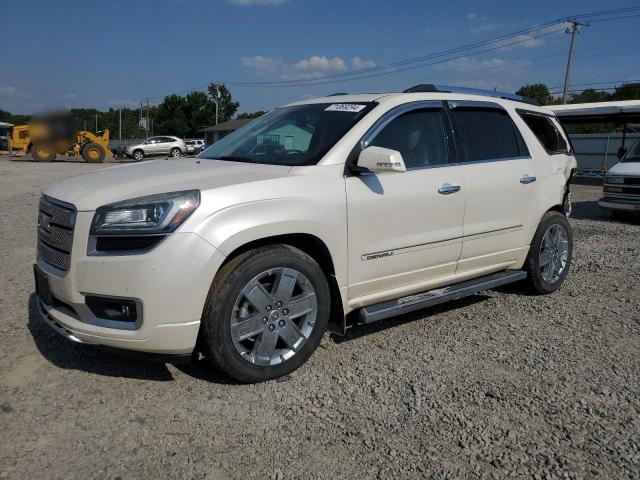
point(416, 62)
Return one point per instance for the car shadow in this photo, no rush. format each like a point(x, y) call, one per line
point(88, 358)
point(360, 330)
point(590, 210)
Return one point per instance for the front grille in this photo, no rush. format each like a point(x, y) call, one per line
point(56, 221)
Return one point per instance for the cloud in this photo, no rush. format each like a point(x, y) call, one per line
point(471, 16)
point(9, 91)
point(520, 41)
point(321, 63)
point(469, 64)
point(314, 67)
point(124, 103)
point(358, 63)
point(69, 96)
point(486, 27)
point(262, 64)
point(269, 3)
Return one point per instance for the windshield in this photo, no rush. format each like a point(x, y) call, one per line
point(633, 155)
point(296, 135)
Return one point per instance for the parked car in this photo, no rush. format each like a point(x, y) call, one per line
point(376, 205)
point(194, 146)
point(161, 145)
point(621, 187)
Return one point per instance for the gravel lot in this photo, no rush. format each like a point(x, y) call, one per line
point(498, 384)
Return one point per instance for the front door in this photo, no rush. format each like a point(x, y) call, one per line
point(405, 228)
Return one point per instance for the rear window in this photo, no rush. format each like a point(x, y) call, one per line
point(546, 132)
point(487, 134)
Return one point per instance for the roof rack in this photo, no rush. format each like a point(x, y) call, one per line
point(337, 94)
point(428, 87)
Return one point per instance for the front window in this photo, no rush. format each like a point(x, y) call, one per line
point(633, 155)
point(296, 135)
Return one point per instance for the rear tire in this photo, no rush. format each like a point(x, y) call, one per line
point(266, 313)
point(175, 152)
point(42, 154)
point(549, 257)
point(93, 152)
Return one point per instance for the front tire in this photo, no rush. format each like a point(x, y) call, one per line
point(138, 155)
point(93, 152)
point(42, 154)
point(549, 257)
point(266, 313)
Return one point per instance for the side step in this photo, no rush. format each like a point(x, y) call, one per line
point(380, 311)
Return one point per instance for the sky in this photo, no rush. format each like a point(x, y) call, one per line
point(102, 54)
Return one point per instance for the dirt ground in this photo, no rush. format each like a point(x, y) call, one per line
point(498, 384)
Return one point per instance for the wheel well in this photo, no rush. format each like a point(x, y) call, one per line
point(316, 249)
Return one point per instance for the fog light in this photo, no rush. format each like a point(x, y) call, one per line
point(116, 309)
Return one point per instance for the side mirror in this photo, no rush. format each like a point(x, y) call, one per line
point(621, 153)
point(378, 159)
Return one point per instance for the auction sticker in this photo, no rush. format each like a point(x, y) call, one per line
point(344, 107)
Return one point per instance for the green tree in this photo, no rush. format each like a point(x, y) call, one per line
point(227, 107)
point(200, 111)
point(627, 91)
point(590, 96)
point(170, 117)
point(251, 115)
point(538, 92)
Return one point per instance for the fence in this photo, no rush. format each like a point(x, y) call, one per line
point(121, 144)
point(598, 151)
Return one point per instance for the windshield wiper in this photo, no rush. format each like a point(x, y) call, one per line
point(233, 158)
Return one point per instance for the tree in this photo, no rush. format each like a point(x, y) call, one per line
point(227, 107)
point(200, 111)
point(251, 115)
point(590, 96)
point(538, 92)
point(170, 117)
point(627, 91)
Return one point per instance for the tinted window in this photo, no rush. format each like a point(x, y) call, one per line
point(546, 132)
point(487, 134)
point(418, 135)
point(294, 135)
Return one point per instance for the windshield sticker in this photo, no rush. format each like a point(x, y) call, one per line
point(344, 107)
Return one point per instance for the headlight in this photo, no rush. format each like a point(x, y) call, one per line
point(155, 214)
point(615, 179)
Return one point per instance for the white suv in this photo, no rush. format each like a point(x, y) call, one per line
point(161, 145)
point(375, 205)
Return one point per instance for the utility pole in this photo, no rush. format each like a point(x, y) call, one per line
point(120, 123)
point(146, 122)
point(573, 29)
point(96, 130)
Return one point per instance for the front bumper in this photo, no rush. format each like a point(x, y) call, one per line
point(170, 282)
point(621, 204)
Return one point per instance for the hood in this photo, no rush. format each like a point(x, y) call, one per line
point(122, 182)
point(625, 168)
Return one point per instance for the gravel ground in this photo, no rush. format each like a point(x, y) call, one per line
point(498, 384)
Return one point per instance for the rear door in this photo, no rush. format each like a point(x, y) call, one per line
point(405, 228)
point(500, 180)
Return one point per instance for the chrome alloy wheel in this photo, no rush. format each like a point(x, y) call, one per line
point(554, 253)
point(273, 316)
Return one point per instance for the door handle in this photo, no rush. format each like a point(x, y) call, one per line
point(527, 179)
point(448, 189)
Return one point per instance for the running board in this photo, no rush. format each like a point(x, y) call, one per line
point(380, 311)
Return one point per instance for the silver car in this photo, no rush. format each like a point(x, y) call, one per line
point(161, 145)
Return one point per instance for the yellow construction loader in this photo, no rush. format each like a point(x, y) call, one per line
point(92, 147)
